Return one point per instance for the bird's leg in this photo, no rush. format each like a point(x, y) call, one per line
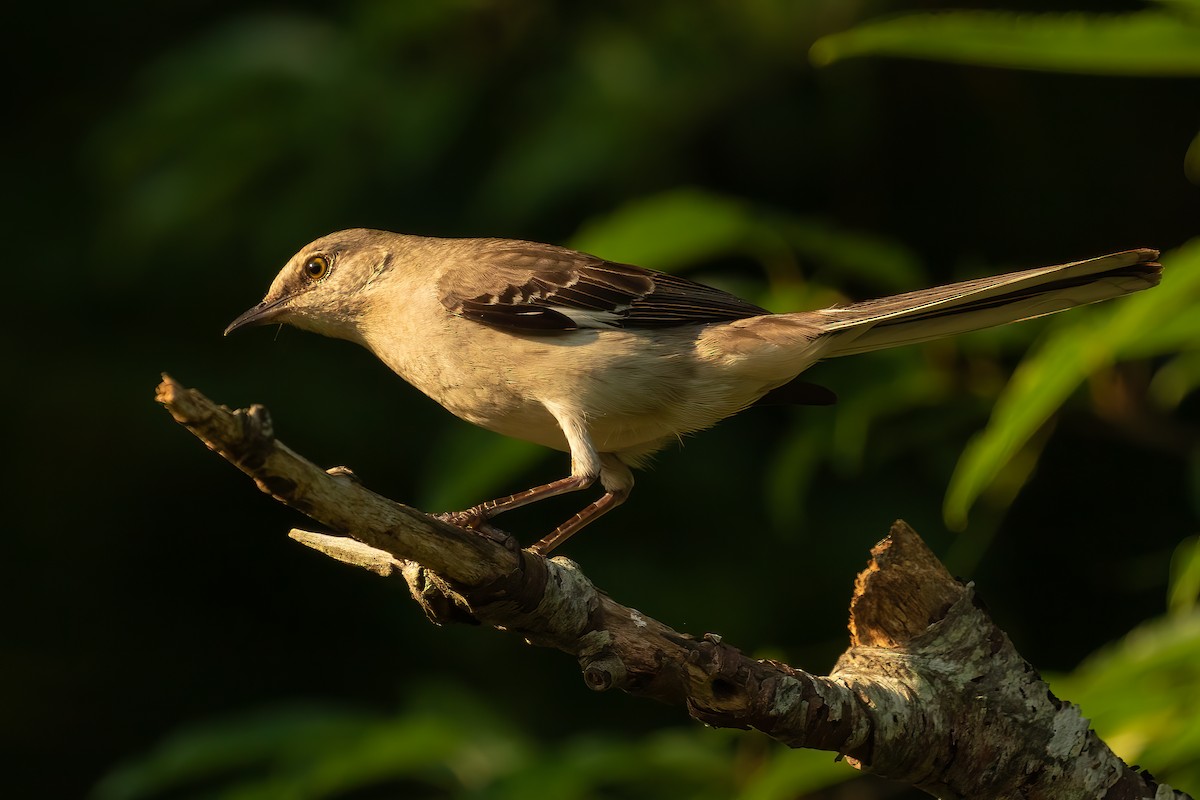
point(586, 467)
point(607, 503)
point(618, 481)
point(475, 516)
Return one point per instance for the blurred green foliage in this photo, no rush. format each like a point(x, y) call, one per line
point(1152, 42)
point(1160, 324)
point(168, 159)
point(1144, 689)
point(1154, 723)
point(446, 744)
point(1142, 692)
point(1184, 589)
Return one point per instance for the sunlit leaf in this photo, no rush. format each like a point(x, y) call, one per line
point(219, 748)
point(470, 465)
point(685, 226)
point(1187, 7)
point(448, 743)
point(795, 460)
point(1142, 43)
point(1038, 387)
point(1142, 695)
point(1191, 161)
point(900, 382)
point(1176, 379)
point(446, 739)
point(1148, 324)
point(669, 230)
point(795, 773)
point(882, 263)
point(1183, 591)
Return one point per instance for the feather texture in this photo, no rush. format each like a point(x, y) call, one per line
point(537, 288)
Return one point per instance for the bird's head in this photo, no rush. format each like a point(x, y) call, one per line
point(325, 287)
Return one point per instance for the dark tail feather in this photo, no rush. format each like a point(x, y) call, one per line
point(971, 305)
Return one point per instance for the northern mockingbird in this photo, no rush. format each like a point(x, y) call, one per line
point(611, 362)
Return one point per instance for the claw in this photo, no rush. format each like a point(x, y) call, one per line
point(470, 519)
point(475, 520)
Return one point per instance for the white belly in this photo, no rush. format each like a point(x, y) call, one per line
point(634, 392)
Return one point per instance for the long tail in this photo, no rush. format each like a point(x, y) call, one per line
point(971, 305)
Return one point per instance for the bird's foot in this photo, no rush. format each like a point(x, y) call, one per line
point(475, 520)
point(471, 519)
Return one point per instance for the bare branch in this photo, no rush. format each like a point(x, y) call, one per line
point(349, 551)
point(930, 692)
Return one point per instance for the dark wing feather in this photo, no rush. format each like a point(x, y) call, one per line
point(537, 288)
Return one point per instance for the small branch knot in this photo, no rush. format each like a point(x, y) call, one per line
point(603, 672)
point(263, 426)
point(343, 473)
point(257, 436)
point(441, 604)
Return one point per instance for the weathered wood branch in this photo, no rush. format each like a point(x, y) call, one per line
point(930, 691)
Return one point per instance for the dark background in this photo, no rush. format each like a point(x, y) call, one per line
point(164, 162)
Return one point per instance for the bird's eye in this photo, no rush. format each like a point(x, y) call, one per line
point(316, 267)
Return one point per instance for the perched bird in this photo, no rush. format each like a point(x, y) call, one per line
point(610, 362)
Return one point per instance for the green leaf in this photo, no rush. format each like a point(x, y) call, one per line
point(1143, 43)
point(448, 743)
point(446, 740)
point(794, 463)
point(669, 230)
point(229, 746)
point(686, 226)
point(1191, 161)
point(1186, 7)
point(1183, 590)
point(882, 263)
point(1151, 323)
point(1157, 725)
point(1038, 387)
point(795, 773)
point(470, 465)
point(1176, 379)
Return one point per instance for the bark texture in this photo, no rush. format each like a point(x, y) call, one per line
point(930, 691)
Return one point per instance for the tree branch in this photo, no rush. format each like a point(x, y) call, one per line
point(930, 691)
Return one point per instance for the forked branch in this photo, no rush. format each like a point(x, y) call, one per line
point(930, 691)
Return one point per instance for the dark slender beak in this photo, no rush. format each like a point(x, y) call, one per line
point(261, 314)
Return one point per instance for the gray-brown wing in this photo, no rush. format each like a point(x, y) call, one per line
point(537, 288)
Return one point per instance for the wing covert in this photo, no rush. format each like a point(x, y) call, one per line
point(538, 288)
